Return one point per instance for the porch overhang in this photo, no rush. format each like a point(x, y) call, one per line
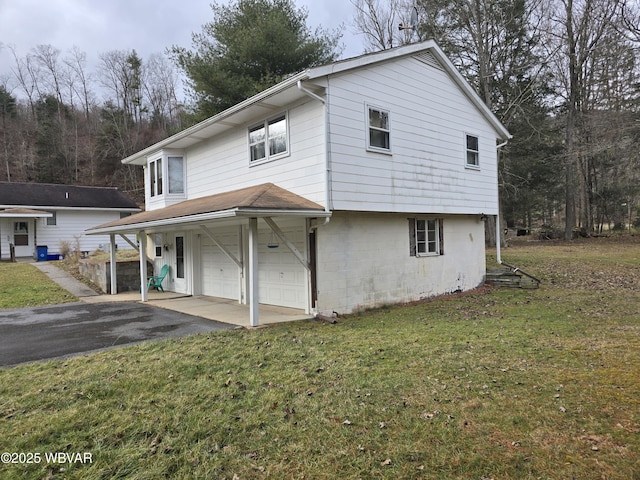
point(244, 206)
point(24, 213)
point(198, 219)
point(266, 200)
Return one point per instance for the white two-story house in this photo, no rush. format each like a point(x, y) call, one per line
point(347, 186)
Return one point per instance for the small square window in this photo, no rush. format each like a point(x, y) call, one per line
point(379, 132)
point(425, 237)
point(52, 220)
point(472, 151)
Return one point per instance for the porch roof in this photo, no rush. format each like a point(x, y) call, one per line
point(24, 213)
point(263, 200)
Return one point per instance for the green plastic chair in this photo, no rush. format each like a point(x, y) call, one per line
point(156, 280)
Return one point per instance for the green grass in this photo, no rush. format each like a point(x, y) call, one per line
point(503, 384)
point(23, 285)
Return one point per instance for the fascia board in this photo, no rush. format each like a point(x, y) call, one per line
point(140, 158)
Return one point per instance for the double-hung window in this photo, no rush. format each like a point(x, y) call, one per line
point(378, 130)
point(472, 152)
point(425, 237)
point(269, 140)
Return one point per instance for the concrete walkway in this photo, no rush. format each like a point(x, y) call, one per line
point(211, 308)
point(65, 280)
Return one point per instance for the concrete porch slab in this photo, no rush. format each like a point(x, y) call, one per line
point(211, 308)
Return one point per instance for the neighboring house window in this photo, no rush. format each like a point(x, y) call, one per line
point(379, 134)
point(425, 237)
point(269, 140)
point(472, 151)
point(155, 177)
point(52, 220)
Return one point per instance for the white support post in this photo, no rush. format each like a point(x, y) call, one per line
point(143, 264)
point(253, 272)
point(112, 257)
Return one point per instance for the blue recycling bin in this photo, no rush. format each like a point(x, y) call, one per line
point(42, 252)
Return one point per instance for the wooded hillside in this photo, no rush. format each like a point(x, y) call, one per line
point(60, 123)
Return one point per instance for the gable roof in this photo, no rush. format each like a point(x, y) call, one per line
point(45, 195)
point(266, 199)
point(291, 89)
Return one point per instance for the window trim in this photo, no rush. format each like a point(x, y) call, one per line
point(467, 150)
point(268, 157)
point(373, 148)
point(414, 243)
point(160, 176)
point(51, 221)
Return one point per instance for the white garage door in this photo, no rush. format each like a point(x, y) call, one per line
point(220, 276)
point(282, 277)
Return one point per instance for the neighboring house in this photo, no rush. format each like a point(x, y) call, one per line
point(347, 186)
point(37, 214)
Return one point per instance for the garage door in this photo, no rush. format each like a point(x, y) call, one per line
point(283, 280)
point(220, 277)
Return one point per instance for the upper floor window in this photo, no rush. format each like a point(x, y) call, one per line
point(472, 151)
point(155, 177)
point(170, 167)
point(379, 133)
point(269, 139)
point(176, 174)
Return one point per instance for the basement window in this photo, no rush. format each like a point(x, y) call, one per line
point(425, 237)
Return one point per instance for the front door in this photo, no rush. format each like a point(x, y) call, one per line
point(22, 239)
point(179, 269)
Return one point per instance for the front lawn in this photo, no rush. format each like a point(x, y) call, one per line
point(23, 285)
point(493, 384)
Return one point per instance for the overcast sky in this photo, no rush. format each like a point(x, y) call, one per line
point(148, 26)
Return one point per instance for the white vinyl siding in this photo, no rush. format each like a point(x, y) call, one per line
point(425, 173)
point(220, 164)
point(70, 227)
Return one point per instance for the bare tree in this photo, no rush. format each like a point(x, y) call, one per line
point(160, 82)
point(378, 21)
point(79, 79)
point(582, 28)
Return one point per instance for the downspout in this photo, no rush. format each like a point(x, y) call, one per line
point(327, 155)
point(327, 168)
point(498, 233)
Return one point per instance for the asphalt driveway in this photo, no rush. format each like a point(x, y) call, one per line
point(42, 333)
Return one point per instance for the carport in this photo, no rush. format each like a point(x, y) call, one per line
point(208, 216)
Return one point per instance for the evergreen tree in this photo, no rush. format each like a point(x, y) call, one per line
point(249, 46)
